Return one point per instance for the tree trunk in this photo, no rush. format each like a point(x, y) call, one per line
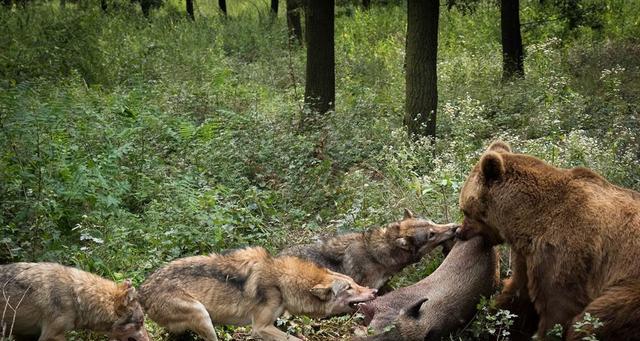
point(223, 6)
point(366, 4)
point(293, 20)
point(146, 7)
point(192, 15)
point(512, 53)
point(63, 3)
point(104, 6)
point(274, 7)
point(7, 4)
point(320, 89)
point(421, 73)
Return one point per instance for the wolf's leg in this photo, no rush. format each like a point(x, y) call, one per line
point(618, 308)
point(25, 338)
point(54, 330)
point(184, 336)
point(262, 323)
point(183, 314)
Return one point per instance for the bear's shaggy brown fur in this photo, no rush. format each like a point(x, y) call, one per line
point(574, 237)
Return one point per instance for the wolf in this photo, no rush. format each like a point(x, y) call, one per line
point(373, 256)
point(40, 301)
point(245, 286)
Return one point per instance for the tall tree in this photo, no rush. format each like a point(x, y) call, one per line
point(146, 7)
point(223, 6)
point(512, 53)
point(190, 12)
point(274, 7)
point(320, 88)
point(293, 20)
point(421, 70)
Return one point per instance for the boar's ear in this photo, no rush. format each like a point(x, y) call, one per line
point(321, 291)
point(414, 311)
point(492, 166)
point(499, 147)
point(408, 214)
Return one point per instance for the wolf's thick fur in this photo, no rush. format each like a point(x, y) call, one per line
point(48, 299)
point(245, 286)
point(373, 256)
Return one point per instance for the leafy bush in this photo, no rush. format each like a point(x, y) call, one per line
point(126, 142)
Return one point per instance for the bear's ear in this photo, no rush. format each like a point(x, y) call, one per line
point(492, 166)
point(499, 147)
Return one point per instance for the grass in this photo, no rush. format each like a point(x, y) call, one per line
point(127, 142)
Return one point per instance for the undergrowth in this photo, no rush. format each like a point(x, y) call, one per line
point(127, 142)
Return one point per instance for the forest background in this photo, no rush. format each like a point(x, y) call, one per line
point(128, 141)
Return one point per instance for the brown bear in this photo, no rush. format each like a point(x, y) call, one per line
point(574, 237)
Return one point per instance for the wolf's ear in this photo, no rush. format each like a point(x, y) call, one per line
point(402, 243)
point(130, 294)
point(499, 147)
point(492, 166)
point(321, 291)
point(339, 286)
point(408, 214)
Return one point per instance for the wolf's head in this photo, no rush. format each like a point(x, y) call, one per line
point(340, 294)
point(130, 323)
point(419, 236)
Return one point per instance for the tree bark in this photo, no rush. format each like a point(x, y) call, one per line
point(190, 12)
point(320, 89)
point(512, 52)
point(146, 7)
point(293, 20)
point(421, 74)
point(274, 7)
point(223, 6)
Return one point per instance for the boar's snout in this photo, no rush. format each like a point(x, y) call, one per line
point(368, 310)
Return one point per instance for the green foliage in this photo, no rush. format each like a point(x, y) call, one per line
point(490, 322)
point(126, 142)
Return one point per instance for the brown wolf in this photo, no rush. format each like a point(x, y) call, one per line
point(245, 286)
point(440, 303)
point(43, 300)
point(373, 256)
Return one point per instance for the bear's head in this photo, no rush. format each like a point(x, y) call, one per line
point(503, 190)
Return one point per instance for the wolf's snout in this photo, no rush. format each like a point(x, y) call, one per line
point(455, 228)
